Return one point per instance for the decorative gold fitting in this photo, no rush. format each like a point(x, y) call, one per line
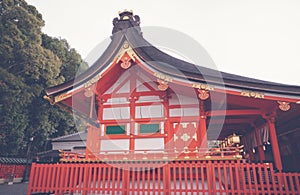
point(185, 137)
point(125, 10)
point(203, 94)
point(126, 61)
point(125, 45)
point(175, 137)
point(92, 81)
point(49, 99)
point(186, 150)
point(162, 77)
point(253, 94)
point(88, 92)
point(163, 85)
point(195, 137)
point(203, 86)
point(61, 97)
point(284, 106)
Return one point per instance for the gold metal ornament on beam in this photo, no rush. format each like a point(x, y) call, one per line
point(88, 92)
point(162, 85)
point(203, 86)
point(162, 77)
point(253, 94)
point(49, 99)
point(126, 62)
point(92, 81)
point(203, 94)
point(185, 137)
point(284, 106)
point(61, 97)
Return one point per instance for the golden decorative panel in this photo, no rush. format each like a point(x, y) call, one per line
point(61, 97)
point(92, 81)
point(203, 86)
point(162, 77)
point(253, 94)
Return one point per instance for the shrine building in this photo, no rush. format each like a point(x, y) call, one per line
point(161, 125)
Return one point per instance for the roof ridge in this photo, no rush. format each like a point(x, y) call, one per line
point(69, 135)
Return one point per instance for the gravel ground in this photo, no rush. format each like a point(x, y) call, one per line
point(14, 189)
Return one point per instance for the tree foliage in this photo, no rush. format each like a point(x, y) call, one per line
point(30, 61)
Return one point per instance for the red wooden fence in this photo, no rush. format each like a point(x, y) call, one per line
point(162, 177)
point(6, 170)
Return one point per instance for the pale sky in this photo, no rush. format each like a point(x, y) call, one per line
point(257, 38)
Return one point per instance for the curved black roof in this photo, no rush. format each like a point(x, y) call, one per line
point(127, 28)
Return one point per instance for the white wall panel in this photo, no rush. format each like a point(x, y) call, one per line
point(183, 100)
point(115, 144)
point(154, 111)
point(116, 113)
point(149, 144)
point(184, 112)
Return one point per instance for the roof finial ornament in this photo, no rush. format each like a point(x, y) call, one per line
point(126, 20)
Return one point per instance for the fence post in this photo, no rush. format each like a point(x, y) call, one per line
point(125, 179)
point(32, 173)
point(166, 178)
point(210, 184)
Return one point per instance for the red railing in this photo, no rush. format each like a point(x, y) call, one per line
point(162, 177)
point(229, 153)
point(9, 170)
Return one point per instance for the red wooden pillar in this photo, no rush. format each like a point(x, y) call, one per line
point(167, 128)
point(260, 147)
point(202, 134)
point(166, 178)
point(274, 143)
point(92, 135)
point(132, 100)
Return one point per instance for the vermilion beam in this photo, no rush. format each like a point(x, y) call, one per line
point(233, 112)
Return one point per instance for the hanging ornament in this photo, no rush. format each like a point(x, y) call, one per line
point(284, 106)
point(203, 94)
point(162, 85)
